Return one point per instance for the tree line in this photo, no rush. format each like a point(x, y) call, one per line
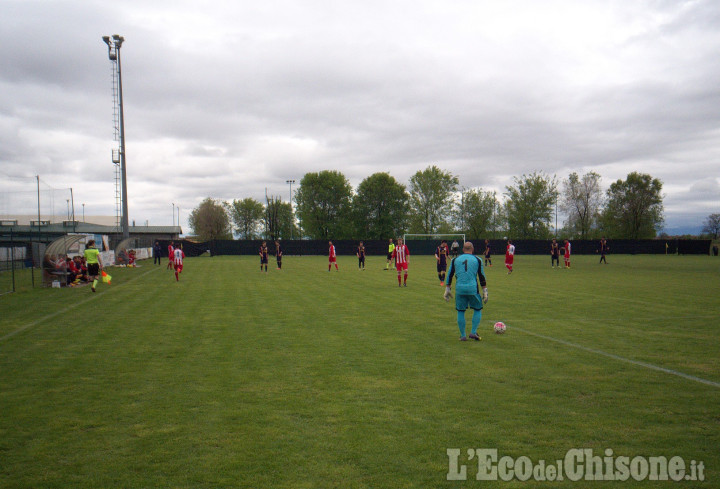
point(327, 207)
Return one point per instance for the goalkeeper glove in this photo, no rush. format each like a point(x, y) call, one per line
point(485, 295)
point(447, 295)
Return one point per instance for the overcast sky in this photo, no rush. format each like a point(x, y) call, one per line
point(228, 98)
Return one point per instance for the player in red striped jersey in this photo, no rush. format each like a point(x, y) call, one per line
point(401, 253)
point(170, 255)
point(178, 256)
point(509, 256)
point(332, 257)
point(567, 254)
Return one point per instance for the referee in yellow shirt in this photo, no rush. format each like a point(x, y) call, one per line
point(391, 248)
point(94, 263)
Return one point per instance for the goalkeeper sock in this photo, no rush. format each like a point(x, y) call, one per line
point(477, 316)
point(461, 322)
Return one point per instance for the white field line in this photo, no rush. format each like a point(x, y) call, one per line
point(615, 320)
point(612, 355)
point(68, 308)
point(605, 297)
point(649, 366)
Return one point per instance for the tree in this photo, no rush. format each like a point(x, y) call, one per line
point(380, 207)
point(323, 204)
point(634, 208)
point(712, 225)
point(277, 216)
point(431, 200)
point(530, 205)
point(475, 214)
point(210, 220)
point(246, 215)
point(581, 200)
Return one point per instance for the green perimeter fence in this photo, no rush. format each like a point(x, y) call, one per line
point(428, 245)
point(16, 264)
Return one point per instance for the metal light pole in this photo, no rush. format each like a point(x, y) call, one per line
point(462, 209)
point(494, 215)
point(178, 221)
point(292, 219)
point(173, 204)
point(114, 45)
point(72, 203)
point(83, 212)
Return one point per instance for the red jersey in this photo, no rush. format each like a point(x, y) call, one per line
point(510, 250)
point(178, 256)
point(170, 251)
point(401, 253)
point(567, 249)
point(509, 255)
point(331, 251)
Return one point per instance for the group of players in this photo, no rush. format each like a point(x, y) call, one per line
point(556, 250)
point(264, 253)
point(175, 259)
point(399, 254)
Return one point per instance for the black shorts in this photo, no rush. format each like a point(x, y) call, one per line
point(263, 260)
point(93, 269)
point(441, 267)
point(389, 256)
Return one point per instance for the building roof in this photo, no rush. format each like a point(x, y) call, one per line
point(89, 228)
point(86, 228)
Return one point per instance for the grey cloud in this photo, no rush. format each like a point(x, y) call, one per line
point(270, 91)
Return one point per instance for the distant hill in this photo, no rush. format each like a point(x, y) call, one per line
point(682, 230)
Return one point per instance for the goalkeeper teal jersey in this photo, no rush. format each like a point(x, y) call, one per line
point(468, 269)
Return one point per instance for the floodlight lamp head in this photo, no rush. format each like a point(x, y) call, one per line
point(118, 40)
point(111, 52)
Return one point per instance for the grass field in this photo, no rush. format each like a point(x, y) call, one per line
point(301, 378)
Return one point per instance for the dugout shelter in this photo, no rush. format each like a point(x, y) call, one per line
point(53, 264)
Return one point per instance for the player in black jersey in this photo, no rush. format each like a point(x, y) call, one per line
point(441, 255)
point(278, 254)
point(603, 250)
point(263, 256)
point(554, 253)
point(361, 256)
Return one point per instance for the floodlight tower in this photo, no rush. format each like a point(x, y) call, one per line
point(114, 43)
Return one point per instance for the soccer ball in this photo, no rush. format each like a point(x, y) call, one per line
point(499, 327)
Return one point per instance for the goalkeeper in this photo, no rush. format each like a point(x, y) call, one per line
point(468, 269)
